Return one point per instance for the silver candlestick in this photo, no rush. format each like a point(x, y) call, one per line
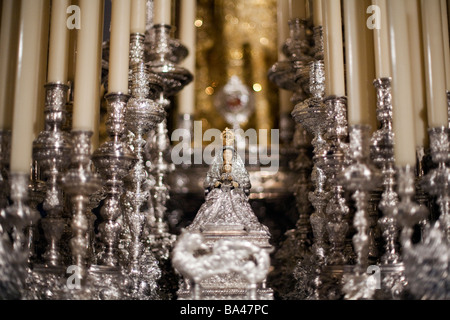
point(382, 152)
point(159, 230)
point(79, 183)
point(161, 57)
point(409, 214)
point(334, 163)
point(421, 197)
point(52, 151)
point(13, 249)
point(142, 115)
point(437, 181)
point(312, 114)
point(360, 178)
point(297, 48)
point(114, 160)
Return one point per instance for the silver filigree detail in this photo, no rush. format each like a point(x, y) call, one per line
point(52, 151)
point(238, 257)
point(114, 160)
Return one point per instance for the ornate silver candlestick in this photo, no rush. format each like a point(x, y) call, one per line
point(142, 115)
point(113, 160)
point(334, 163)
point(409, 214)
point(437, 182)
point(161, 57)
point(298, 50)
point(159, 231)
point(52, 151)
point(360, 178)
point(312, 114)
point(13, 248)
point(79, 183)
point(382, 152)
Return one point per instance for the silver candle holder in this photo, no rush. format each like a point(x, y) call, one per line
point(382, 152)
point(409, 214)
point(360, 177)
point(334, 163)
point(161, 56)
point(312, 114)
point(437, 181)
point(142, 115)
point(113, 159)
point(79, 183)
point(52, 151)
point(13, 249)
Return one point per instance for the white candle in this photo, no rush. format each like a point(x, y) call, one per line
point(9, 37)
point(95, 140)
point(26, 91)
point(39, 122)
point(317, 13)
point(334, 53)
point(445, 26)
point(87, 81)
point(434, 64)
point(381, 39)
point(417, 72)
point(58, 62)
point(359, 55)
point(188, 36)
point(297, 9)
point(119, 46)
point(402, 96)
point(138, 16)
point(162, 12)
point(283, 26)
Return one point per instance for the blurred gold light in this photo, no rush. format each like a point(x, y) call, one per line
point(198, 23)
point(257, 87)
point(264, 41)
point(209, 91)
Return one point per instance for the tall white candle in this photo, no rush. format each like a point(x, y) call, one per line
point(381, 39)
point(334, 51)
point(402, 96)
point(297, 9)
point(434, 64)
point(317, 13)
point(39, 122)
point(188, 36)
point(138, 16)
point(87, 82)
point(417, 72)
point(9, 37)
point(26, 91)
point(58, 62)
point(360, 56)
point(119, 46)
point(445, 32)
point(162, 12)
point(95, 140)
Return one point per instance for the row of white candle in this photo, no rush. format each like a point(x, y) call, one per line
point(23, 57)
point(410, 45)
